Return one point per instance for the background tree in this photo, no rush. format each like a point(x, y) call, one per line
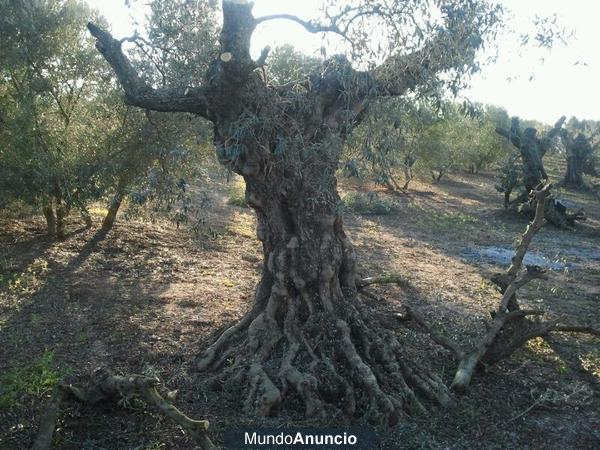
point(286, 64)
point(157, 153)
point(480, 146)
point(67, 139)
point(577, 139)
point(50, 77)
point(307, 334)
point(532, 150)
point(510, 177)
point(384, 143)
point(408, 135)
point(149, 159)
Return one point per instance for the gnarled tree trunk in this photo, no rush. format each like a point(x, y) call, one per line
point(532, 151)
point(307, 335)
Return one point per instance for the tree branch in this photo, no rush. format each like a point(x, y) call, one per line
point(308, 25)
point(107, 386)
point(454, 46)
point(532, 229)
point(545, 143)
point(577, 329)
point(514, 139)
point(139, 93)
point(382, 279)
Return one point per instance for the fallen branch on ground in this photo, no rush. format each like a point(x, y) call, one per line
point(106, 386)
point(510, 327)
point(392, 278)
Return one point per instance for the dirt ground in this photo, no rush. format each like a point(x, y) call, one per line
point(147, 297)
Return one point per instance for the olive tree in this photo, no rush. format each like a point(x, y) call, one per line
point(66, 138)
point(532, 149)
point(578, 140)
point(50, 76)
point(307, 335)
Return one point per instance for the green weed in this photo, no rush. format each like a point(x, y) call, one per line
point(36, 380)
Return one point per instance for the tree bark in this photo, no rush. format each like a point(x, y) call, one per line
point(532, 151)
point(113, 209)
point(85, 215)
point(507, 199)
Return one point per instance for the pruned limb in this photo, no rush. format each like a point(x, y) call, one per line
point(509, 284)
point(585, 329)
point(138, 92)
point(196, 428)
point(106, 386)
point(392, 278)
point(513, 138)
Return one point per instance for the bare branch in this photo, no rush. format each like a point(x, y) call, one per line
point(577, 329)
point(382, 279)
point(532, 229)
point(516, 141)
point(308, 25)
point(139, 93)
point(555, 131)
point(43, 440)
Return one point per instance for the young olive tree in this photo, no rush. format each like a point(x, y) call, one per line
point(307, 336)
point(147, 158)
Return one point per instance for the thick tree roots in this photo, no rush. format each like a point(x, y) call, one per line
point(106, 386)
point(510, 327)
point(337, 365)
